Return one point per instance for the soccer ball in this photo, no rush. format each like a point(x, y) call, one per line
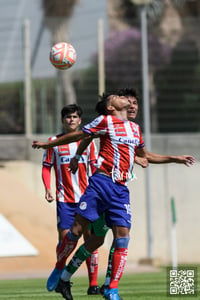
point(62, 56)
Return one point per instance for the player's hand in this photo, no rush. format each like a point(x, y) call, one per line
point(38, 145)
point(49, 196)
point(73, 165)
point(141, 161)
point(188, 160)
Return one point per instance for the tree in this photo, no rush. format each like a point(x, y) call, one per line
point(57, 15)
point(121, 12)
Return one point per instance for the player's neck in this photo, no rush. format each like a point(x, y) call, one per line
point(70, 131)
point(122, 115)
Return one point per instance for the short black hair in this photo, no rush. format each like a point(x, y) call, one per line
point(101, 106)
point(71, 108)
point(129, 92)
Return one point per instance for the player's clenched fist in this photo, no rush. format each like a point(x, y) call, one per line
point(73, 166)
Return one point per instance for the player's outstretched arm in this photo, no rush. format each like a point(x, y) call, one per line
point(155, 158)
point(141, 161)
point(73, 166)
point(141, 157)
point(83, 145)
point(63, 140)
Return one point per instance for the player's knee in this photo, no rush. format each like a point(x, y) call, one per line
point(62, 233)
point(73, 237)
point(121, 242)
point(79, 225)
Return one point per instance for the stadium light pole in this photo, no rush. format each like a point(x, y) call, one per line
point(101, 60)
point(147, 122)
point(27, 78)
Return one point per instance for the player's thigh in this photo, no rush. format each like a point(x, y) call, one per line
point(87, 233)
point(80, 224)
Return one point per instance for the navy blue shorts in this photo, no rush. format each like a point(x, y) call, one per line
point(66, 214)
point(103, 195)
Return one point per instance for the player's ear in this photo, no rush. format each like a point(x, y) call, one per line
point(110, 108)
point(79, 122)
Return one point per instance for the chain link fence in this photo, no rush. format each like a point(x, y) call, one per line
point(174, 68)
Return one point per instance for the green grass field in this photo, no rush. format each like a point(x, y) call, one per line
point(151, 286)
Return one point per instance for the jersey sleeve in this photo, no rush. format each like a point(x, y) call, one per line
point(93, 156)
point(97, 127)
point(48, 157)
point(47, 163)
point(141, 144)
point(46, 177)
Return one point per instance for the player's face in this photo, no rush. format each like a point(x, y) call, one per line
point(71, 122)
point(119, 102)
point(133, 108)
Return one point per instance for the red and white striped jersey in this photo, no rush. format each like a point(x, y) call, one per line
point(118, 143)
point(70, 187)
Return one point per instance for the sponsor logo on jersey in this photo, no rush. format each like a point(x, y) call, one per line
point(136, 134)
point(129, 141)
point(65, 160)
point(120, 130)
point(118, 175)
point(64, 149)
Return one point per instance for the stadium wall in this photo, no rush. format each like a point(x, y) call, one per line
point(166, 181)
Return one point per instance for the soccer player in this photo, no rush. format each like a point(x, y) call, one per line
point(69, 186)
point(107, 192)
